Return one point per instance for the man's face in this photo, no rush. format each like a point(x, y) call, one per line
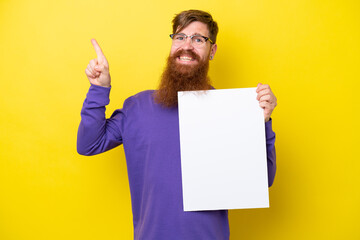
point(203, 53)
point(187, 66)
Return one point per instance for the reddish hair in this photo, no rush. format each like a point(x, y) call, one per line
point(184, 18)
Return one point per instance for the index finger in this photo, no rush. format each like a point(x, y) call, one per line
point(98, 50)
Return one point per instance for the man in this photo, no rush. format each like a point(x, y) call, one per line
point(148, 127)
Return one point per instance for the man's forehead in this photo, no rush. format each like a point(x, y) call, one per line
point(194, 28)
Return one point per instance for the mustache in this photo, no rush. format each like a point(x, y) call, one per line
point(186, 52)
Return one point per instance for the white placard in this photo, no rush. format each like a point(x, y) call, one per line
point(223, 150)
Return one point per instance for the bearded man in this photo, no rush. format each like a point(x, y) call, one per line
point(148, 128)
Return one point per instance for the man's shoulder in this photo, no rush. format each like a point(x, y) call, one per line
point(141, 96)
point(144, 94)
point(144, 97)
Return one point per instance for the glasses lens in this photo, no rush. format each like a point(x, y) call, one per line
point(198, 40)
point(178, 38)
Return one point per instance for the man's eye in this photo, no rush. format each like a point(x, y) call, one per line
point(198, 40)
point(180, 38)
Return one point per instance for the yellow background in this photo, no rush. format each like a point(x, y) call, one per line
point(307, 51)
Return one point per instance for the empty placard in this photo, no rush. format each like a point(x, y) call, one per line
point(223, 150)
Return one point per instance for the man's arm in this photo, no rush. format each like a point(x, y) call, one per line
point(97, 134)
point(268, 102)
point(270, 150)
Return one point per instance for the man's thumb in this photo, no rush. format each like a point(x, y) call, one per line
point(99, 68)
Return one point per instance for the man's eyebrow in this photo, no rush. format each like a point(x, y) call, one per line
point(196, 33)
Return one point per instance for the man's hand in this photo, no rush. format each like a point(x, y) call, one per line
point(97, 70)
point(267, 100)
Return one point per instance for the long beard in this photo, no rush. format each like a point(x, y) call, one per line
point(181, 77)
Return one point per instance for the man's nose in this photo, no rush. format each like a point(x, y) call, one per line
point(188, 44)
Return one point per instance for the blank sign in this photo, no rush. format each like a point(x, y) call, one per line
point(223, 150)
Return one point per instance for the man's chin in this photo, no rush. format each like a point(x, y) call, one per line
point(185, 67)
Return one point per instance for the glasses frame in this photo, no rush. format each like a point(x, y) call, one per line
point(191, 37)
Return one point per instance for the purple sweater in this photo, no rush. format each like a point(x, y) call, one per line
point(150, 135)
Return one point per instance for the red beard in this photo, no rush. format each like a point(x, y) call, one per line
point(182, 77)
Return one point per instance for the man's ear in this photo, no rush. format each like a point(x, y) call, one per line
point(213, 50)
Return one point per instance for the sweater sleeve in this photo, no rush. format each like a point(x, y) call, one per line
point(270, 150)
point(96, 134)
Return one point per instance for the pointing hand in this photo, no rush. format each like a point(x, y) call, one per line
point(97, 70)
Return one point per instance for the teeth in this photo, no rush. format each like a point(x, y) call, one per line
point(185, 58)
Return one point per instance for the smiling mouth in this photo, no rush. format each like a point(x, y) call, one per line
point(186, 58)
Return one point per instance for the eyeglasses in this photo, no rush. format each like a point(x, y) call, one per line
point(196, 40)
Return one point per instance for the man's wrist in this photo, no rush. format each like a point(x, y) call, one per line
point(98, 95)
point(105, 86)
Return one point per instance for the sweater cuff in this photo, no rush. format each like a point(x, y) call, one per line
point(98, 96)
